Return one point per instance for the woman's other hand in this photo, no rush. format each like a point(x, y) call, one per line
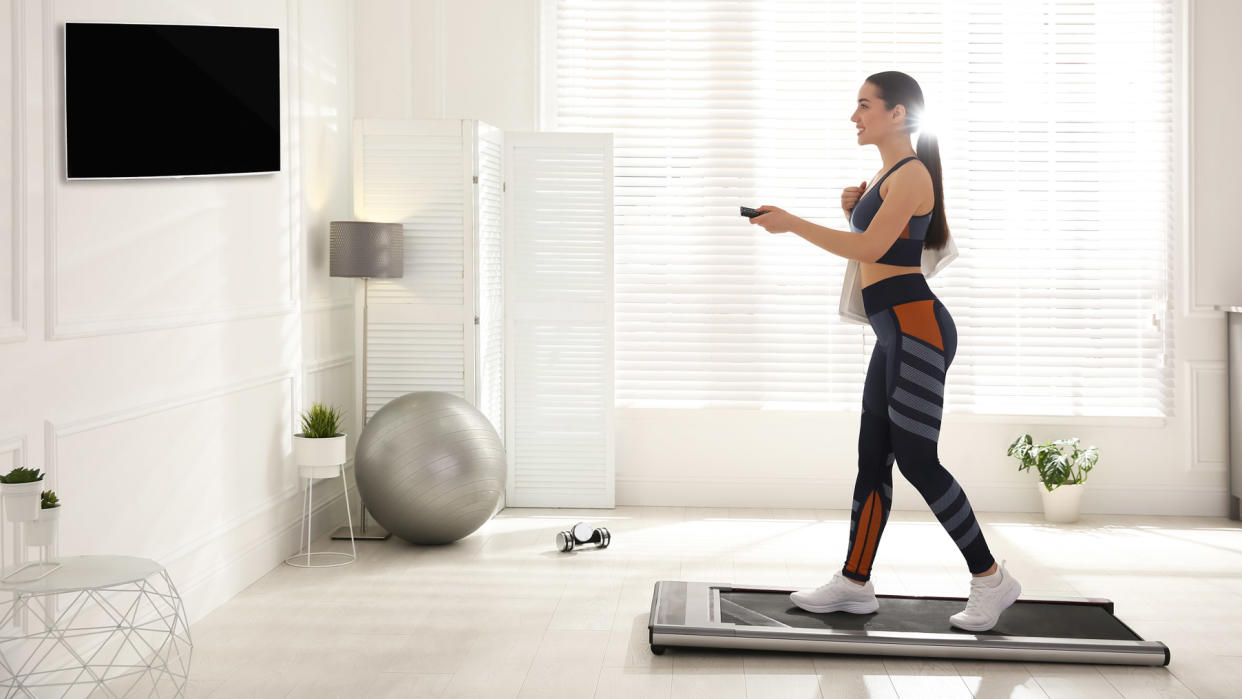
point(850, 197)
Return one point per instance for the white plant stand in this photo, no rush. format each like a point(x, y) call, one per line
point(46, 540)
point(123, 631)
point(305, 558)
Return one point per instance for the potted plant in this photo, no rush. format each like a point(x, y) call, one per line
point(319, 448)
point(42, 531)
point(1062, 475)
point(20, 489)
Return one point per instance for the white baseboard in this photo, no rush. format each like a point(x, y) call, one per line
point(828, 493)
point(237, 558)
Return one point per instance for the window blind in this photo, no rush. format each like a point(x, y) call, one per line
point(1057, 124)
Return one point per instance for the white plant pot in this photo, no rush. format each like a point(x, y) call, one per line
point(22, 500)
point(42, 531)
point(1061, 504)
point(319, 458)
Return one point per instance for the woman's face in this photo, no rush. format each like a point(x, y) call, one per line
point(873, 121)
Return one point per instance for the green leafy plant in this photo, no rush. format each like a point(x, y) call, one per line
point(1055, 468)
point(50, 500)
point(22, 475)
point(320, 422)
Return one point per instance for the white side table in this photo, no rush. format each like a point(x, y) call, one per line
point(122, 630)
point(303, 559)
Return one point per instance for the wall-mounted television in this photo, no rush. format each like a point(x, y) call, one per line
point(162, 100)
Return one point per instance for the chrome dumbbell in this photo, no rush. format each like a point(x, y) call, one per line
point(581, 534)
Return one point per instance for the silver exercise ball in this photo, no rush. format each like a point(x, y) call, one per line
point(430, 467)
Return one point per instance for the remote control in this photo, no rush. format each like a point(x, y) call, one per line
point(751, 213)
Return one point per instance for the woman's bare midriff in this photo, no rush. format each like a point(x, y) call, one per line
point(873, 272)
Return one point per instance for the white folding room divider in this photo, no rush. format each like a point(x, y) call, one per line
point(559, 307)
point(442, 180)
point(507, 294)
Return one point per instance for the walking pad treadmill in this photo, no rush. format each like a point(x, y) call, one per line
point(1052, 629)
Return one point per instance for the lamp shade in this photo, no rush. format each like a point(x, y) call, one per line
point(366, 249)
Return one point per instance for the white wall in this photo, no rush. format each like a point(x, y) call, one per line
point(435, 59)
point(479, 59)
point(1218, 144)
point(160, 336)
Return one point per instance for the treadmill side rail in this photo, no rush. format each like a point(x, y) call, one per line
point(1138, 653)
point(689, 614)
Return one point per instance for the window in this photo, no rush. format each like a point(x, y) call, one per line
point(1058, 126)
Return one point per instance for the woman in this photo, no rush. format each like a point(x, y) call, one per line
point(915, 342)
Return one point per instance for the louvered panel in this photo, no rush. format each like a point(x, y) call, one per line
point(421, 334)
point(415, 178)
point(560, 414)
point(404, 357)
point(434, 259)
point(490, 194)
point(559, 319)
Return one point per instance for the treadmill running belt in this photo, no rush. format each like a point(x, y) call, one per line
point(1033, 618)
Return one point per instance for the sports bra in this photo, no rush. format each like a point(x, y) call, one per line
point(907, 250)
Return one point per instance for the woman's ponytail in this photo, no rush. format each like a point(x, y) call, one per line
point(929, 152)
point(895, 87)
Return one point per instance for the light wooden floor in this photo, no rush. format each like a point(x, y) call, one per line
point(503, 614)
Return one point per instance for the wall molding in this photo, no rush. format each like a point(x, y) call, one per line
point(69, 428)
point(53, 132)
point(293, 153)
point(1195, 369)
point(17, 445)
point(144, 323)
point(326, 364)
point(328, 304)
point(441, 87)
point(1193, 308)
point(54, 433)
point(14, 330)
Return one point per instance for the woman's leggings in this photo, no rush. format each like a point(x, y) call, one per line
point(902, 401)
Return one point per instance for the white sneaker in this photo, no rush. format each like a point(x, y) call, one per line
point(838, 595)
point(984, 607)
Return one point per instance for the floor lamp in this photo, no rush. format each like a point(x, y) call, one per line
point(365, 249)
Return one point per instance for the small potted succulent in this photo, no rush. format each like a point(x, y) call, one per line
point(42, 531)
point(20, 489)
point(1062, 475)
point(319, 448)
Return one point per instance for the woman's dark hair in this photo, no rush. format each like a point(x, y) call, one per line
point(897, 88)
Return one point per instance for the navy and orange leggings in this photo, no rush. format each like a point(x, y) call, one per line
point(903, 397)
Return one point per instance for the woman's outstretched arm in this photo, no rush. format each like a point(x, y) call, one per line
point(844, 243)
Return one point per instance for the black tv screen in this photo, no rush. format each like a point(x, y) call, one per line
point(161, 100)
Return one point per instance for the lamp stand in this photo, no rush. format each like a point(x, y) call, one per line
point(376, 533)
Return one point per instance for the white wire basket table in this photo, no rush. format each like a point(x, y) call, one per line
point(107, 626)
